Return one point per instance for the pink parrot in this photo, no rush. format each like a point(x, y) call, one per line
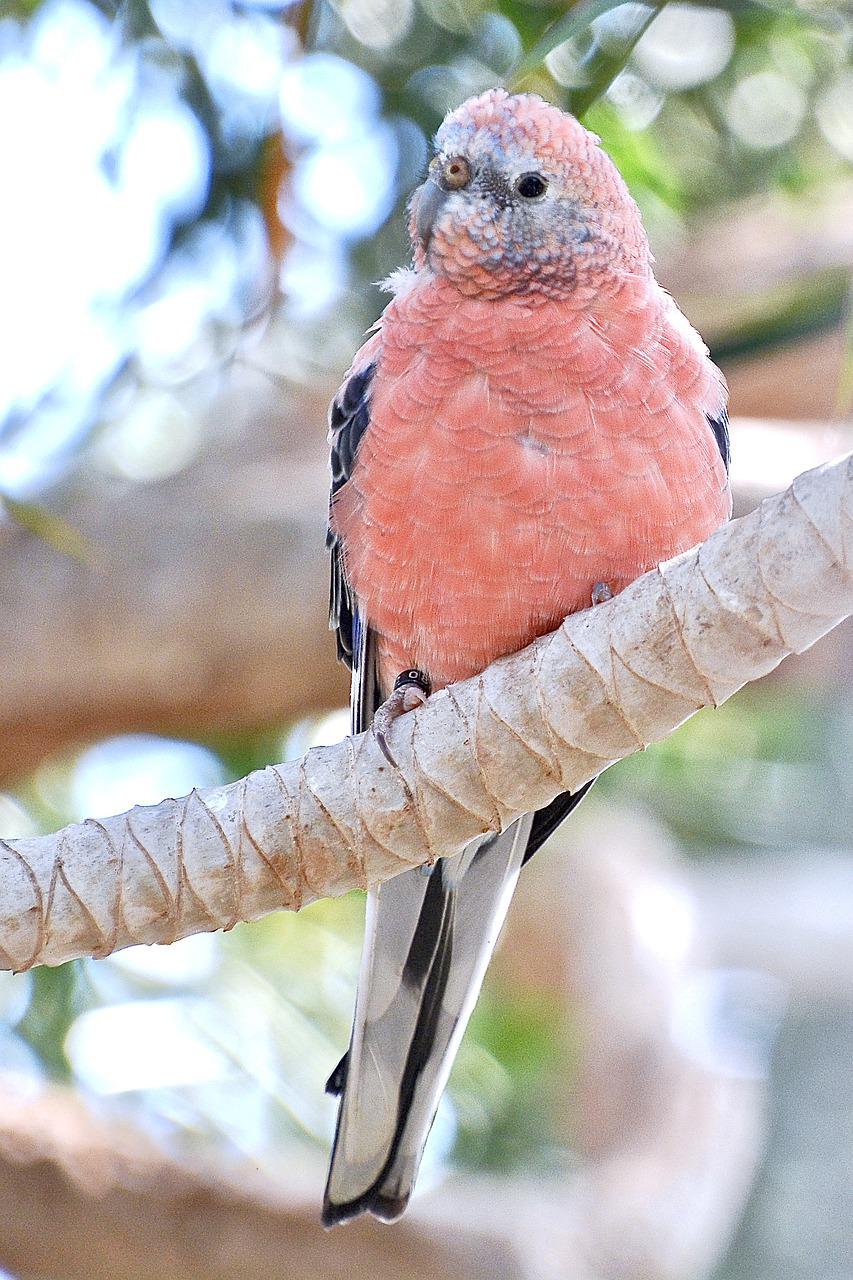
point(532, 426)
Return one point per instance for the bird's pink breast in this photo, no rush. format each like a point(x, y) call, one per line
point(519, 452)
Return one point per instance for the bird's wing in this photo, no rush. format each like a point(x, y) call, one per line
point(430, 934)
point(719, 424)
point(349, 418)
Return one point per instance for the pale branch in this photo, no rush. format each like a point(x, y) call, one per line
point(202, 609)
point(605, 684)
point(183, 621)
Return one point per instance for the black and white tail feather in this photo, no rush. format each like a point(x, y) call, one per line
point(429, 936)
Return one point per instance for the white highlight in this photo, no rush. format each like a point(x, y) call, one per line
point(145, 1044)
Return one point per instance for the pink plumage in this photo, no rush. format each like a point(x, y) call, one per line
point(534, 417)
point(529, 436)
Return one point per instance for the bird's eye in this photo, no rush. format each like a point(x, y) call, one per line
point(456, 173)
point(531, 186)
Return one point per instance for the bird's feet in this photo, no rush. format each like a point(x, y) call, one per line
point(601, 592)
point(411, 690)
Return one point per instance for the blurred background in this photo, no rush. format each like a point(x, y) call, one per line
point(198, 196)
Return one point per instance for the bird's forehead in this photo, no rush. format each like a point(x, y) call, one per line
point(500, 147)
point(510, 130)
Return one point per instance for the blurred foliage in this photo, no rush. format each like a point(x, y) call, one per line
point(47, 526)
point(506, 1085)
point(250, 246)
point(727, 778)
point(603, 60)
point(262, 241)
point(54, 1002)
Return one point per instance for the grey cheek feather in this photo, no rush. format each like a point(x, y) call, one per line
point(489, 182)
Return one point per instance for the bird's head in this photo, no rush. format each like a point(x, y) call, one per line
point(521, 199)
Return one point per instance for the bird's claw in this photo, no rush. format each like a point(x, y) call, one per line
point(601, 593)
point(411, 690)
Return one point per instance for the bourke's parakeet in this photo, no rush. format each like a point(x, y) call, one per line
point(532, 425)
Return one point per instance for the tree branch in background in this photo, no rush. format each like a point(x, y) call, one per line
point(85, 1197)
point(739, 268)
point(202, 606)
point(607, 683)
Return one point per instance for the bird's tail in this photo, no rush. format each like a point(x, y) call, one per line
point(430, 934)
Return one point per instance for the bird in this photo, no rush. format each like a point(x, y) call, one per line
point(531, 425)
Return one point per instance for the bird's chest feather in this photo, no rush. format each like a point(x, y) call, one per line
point(516, 456)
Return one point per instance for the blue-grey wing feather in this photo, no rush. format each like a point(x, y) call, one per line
point(349, 419)
point(719, 424)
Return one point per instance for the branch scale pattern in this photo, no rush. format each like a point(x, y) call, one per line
point(607, 683)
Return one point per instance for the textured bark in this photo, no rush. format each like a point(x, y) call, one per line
point(204, 609)
point(185, 622)
point(204, 606)
point(604, 685)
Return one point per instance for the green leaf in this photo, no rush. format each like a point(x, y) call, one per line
point(571, 24)
point(56, 999)
point(52, 529)
point(604, 65)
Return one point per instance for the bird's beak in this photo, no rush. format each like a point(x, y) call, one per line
point(430, 199)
